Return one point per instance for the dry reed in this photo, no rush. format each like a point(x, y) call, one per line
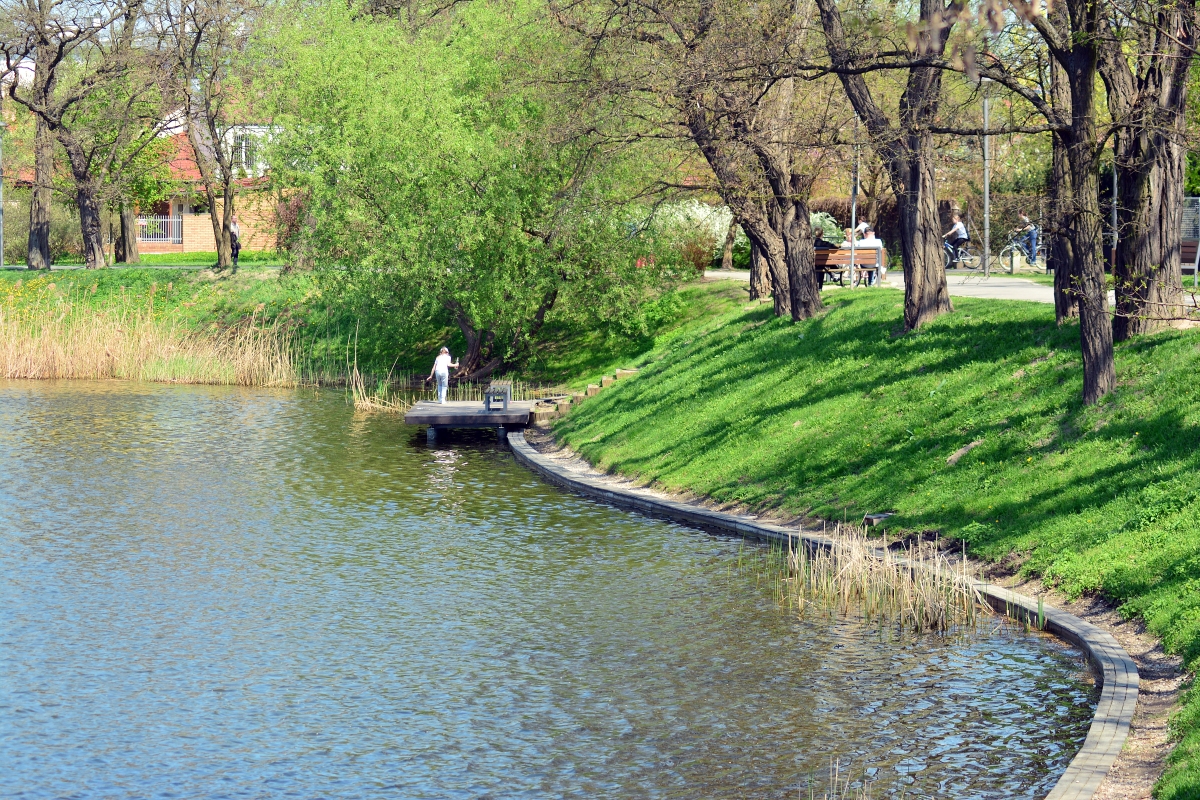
point(62, 339)
point(915, 587)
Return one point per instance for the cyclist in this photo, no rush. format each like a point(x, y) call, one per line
point(1029, 235)
point(956, 236)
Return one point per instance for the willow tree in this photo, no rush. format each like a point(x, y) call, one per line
point(1145, 61)
point(444, 179)
point(904, 141)
point(717, 78)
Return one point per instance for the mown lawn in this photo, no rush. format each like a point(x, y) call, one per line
point(842, 415)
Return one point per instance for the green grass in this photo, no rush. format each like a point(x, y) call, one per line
point(576, 355)
point(245, 258)
point(841, 415)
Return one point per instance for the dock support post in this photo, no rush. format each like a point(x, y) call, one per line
point(431, 434)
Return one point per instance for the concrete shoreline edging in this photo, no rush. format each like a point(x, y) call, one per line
point(1114, 668)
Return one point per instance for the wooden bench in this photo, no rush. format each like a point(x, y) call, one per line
point(834, 264)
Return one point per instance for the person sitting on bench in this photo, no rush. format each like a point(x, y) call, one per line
point(819, 242)
point(869, 240)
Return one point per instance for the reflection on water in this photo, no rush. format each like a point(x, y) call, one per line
point(245, 593)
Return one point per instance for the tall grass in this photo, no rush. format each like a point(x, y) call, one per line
point(64, 339)
point(915, 587)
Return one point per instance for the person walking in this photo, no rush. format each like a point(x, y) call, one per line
point(441, 371)
point(235, 240)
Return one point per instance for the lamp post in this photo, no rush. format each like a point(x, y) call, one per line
point(1113, 255)
point(987, 187)
point(853, 202)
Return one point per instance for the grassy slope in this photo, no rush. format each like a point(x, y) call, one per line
point(839, 416)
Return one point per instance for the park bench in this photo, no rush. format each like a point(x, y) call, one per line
point(834, 264)
point(497, 396)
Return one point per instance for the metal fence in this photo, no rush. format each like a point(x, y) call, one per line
point(160, 229)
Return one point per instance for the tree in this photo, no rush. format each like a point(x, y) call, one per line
point(208, 41)
point(445, 180)
point(1145, 60)
point(715, 75)
point(906, 145)
point(77, 94)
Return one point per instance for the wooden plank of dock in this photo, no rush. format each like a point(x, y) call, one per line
point(468, 414)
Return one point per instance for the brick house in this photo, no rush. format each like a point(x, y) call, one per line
point(181, 223)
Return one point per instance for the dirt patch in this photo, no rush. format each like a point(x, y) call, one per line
point(1161, 676)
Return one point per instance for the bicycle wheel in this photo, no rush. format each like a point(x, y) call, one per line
point(968, 258)
point(1009, 257)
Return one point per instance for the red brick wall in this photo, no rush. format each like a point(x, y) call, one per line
point(256, 218)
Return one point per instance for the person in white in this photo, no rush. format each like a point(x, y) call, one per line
point(958, 233)
point(441, 371)
point(869, 240)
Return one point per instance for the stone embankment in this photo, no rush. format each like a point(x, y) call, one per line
point(1115, 670)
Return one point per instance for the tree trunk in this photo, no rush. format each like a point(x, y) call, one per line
point(925, 293)
point(1150, 163)
point(1095, 324)
point(127, 251)
point(1148, 273)
point(753, 217)
point(90, 223)
point(1058, 245)
point(762, 229)
point(758, 272)
point(1059, 251)
point(41, 196)
point(803, 280)
point(727, 253)
point(906, 150)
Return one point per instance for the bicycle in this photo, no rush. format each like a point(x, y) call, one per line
point(1016, 246)
point(960, 255)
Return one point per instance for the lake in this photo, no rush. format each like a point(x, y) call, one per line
point(222, 592)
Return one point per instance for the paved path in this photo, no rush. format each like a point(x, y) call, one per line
point(997, 287)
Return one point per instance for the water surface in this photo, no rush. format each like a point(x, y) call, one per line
point(213, 592)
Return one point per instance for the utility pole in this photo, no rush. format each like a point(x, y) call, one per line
point(853, 202)
point(1115, 235)
point(987, 190)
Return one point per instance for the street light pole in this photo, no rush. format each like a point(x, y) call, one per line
point(853, 202)
point(1114, 210)
point(987, 191)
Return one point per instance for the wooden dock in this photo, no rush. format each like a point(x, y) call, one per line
point(469, 414)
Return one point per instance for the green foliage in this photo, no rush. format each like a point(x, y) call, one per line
point(830, 226)
point(445, 185)
point(1191, 175)
point(841, 415)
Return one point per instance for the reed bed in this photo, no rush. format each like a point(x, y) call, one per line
point(916, 587)
point(64, 339)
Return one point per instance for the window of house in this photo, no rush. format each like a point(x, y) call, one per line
point(245, 156)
